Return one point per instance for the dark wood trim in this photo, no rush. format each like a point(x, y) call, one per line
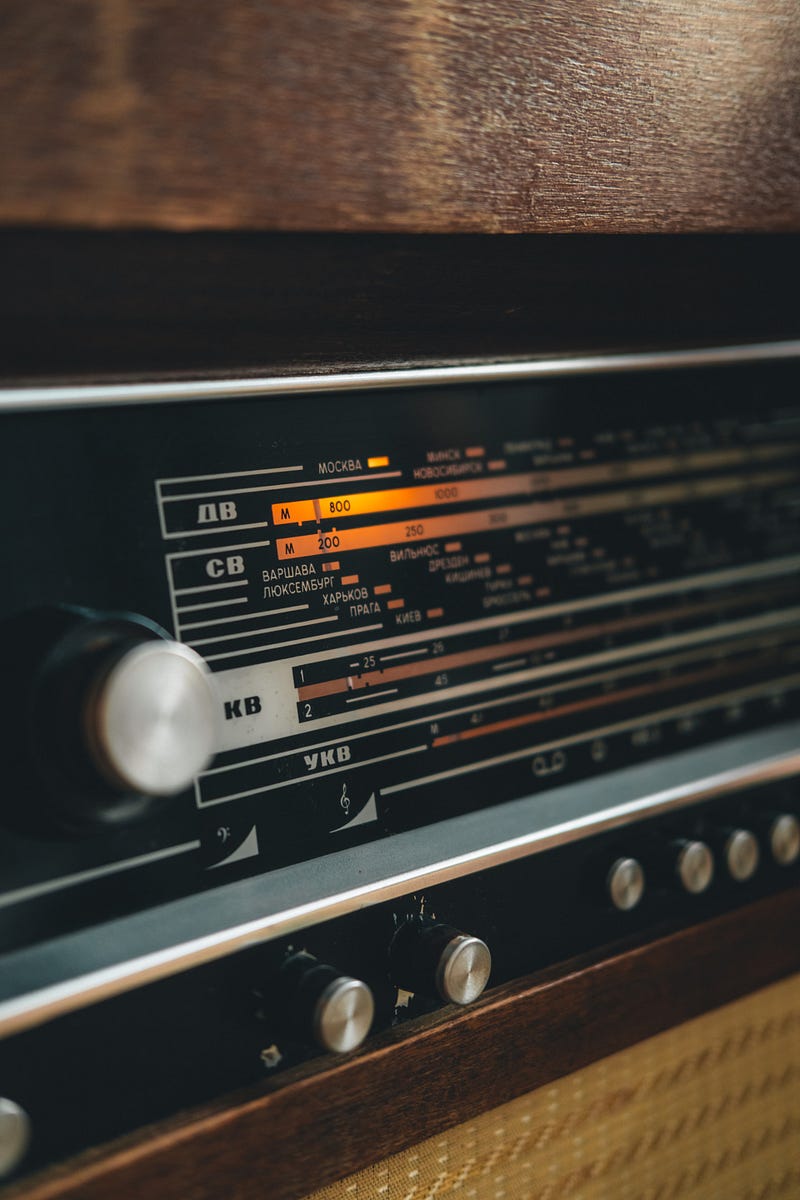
point(470, 115)
point(327, 1120)
point(124, 305)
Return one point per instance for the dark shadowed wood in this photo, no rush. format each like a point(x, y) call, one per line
point(431, 115)
point(326, 1121)
point(92, 304)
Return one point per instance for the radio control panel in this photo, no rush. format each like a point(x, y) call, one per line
point(247, 1020)
point(244, 637)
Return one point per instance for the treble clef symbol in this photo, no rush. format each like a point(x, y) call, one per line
point(344, 799)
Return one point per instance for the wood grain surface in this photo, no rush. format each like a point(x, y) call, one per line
point(431, 115)
point(326, 1120)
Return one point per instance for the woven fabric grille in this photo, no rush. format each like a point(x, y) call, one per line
point(710, 1109)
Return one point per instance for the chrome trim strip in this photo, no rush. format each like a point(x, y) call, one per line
point(44, 1003)
point(46, 886)
point(78, 395)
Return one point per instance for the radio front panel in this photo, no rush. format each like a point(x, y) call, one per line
point(416, 606)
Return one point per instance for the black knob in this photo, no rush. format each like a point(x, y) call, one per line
point(434, 959)
point(110, 714)
point(319, 1003)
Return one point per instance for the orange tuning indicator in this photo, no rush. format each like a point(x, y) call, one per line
point(363, 537)
point(342, 505)
point(329, 508)
point(381, 460)
point(513, 516)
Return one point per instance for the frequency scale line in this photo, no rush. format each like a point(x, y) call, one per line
point(228, 637)
point(270, 612)
point(502, 650)
point(649, 666)
point(294, 642)
point(606, 731)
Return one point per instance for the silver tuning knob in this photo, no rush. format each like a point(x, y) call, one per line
point(15, 1134)
point(783, 835)
point(625, 883)
point(113, 715)
point(463, 969)
point(316, 1002)
point(151, 719)
point(693, 866)
point(740, 853)
point(343, 1015)
point(435, 959)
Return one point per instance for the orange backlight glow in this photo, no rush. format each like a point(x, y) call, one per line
point(356, 504)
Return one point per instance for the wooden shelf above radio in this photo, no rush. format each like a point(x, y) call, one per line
point(469, 116)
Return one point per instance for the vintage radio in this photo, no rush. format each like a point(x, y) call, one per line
point(333, 700)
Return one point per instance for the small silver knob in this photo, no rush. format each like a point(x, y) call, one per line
point(784, 839)
point(741, 854)
point(343, 1015)
point(625, 883)
point(15, 1135)
point(463, 969)
point(151, 719)
point(432, 958)
point(694, 867)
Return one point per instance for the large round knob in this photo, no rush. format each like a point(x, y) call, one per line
point(435, 959)
point(317, 1002)
point(150, 719)
point(112, 715)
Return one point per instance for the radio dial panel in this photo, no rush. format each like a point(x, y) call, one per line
point(373, 613)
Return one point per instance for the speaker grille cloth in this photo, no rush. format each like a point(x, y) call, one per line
point(709, 1109)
